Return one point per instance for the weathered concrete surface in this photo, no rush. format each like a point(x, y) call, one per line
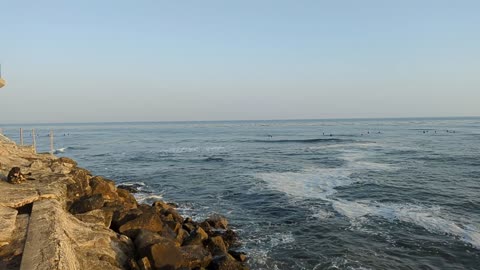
point(57, 240)
point(11, 254)
point(8, 216)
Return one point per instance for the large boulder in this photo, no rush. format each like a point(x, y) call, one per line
point(226, 262)
point(216, 245)
point(218, 222)
point(121, 215)
point(229, 237)
point(105, 187)
point(145, 239)
point(195, 256)
point(87, 203)
point(165, 256)
point(148, 221)
point(238, 255)
point(79, 185)
point(82, 178)
point(196, 237)
point(126, 198)
point(97, 216)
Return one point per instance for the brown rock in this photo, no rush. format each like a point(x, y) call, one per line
point(218, 222)
point(87, 203)
point(226, 262)
point(239, 256)
point(229, 237)
point(189, 227)
point(148, 221)
point(165, 256)
point(175, 226)
point(160, 205)
point(144, 264)
point(97, 216)
point(196, 237)
point(121, 215)
point(216, 245)
point(181, 236)
point(80, 185)
point(175, 215)
point(127, 198)
point(206, 226)
point(65, 160)
point(145, 239)
point(133, 265)
point(195, 256)
point(104, 187)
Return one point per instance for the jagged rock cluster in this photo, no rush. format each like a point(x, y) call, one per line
point(65, 218)
point(161, 237)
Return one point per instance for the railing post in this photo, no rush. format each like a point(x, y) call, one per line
point(51, 142)
point(21, 136)
point(34, 141)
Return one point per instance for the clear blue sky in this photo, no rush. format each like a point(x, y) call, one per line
point(81, 61)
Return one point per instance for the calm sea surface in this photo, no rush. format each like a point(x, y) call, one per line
point(376, 194)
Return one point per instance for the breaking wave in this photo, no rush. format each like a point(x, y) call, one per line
point(430, 218)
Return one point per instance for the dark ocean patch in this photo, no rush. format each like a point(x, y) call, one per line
point(214, 159)
point(319, 140)
point(77, 148)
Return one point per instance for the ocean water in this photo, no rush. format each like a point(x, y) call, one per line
point(375, 194)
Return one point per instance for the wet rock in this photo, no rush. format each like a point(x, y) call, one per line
point(196, 237)
point(161, 205)
point(148, 221)
point(218, 222)
point(226, 262)
point(189, 226)
point(229, 237)
point(87, 203)
point(130, 188)
point(195, 256)
point(181, 236)
point(239, 256)
point(216, 245)
point(206, 227)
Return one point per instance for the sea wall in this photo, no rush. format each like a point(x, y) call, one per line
point(56, 215)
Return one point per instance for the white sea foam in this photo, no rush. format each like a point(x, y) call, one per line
point(312, 183)
point(182, 150)
point(59, 150)
point(147, 198)
point(320, 183)
point(430, 218)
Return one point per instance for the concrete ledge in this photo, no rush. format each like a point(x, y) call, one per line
point(47, 246)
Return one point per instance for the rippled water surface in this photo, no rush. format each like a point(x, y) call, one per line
point(312, 194)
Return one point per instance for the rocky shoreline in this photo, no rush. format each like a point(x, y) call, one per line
point(57, 215)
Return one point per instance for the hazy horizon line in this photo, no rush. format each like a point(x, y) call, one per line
point(248, 120)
